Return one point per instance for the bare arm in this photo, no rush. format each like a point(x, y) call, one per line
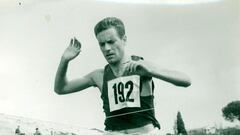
point(145, 68)
point(62, 85)
point(175, 77)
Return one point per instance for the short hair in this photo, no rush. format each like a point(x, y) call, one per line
point(110, 22)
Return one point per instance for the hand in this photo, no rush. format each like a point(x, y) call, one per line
point(72, 50)
point(137, 67)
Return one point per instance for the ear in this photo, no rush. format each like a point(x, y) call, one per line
point(124, 38)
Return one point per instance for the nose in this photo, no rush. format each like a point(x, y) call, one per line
point(107, 47)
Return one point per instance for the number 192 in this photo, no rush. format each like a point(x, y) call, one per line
point(119, 89)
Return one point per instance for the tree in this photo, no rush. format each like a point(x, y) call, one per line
point(180, 125)
point(232, 111)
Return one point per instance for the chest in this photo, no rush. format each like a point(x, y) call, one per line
point(146, 83)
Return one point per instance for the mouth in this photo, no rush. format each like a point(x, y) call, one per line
point(109, 55)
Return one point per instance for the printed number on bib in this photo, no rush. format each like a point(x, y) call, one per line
point(124, 92)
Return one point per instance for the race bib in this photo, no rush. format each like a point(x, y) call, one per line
point(124, 92)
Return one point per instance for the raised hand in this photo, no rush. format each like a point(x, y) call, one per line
point(72, 50)
point(137, 67)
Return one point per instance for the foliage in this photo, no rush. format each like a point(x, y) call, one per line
point(232, 111)
point(230, 131)
point(180, 125)
point(197, 132)
point(225, 131)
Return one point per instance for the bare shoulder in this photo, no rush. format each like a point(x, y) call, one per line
point(97, 73)
point(97, 77)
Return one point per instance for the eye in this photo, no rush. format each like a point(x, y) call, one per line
point(101, 44)
point(110, 42)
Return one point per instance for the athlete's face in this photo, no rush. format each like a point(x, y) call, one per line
point(111, 45)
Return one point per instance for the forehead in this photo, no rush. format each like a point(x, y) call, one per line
point(108, 34)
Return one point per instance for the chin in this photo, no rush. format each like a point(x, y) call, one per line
point(112, 61)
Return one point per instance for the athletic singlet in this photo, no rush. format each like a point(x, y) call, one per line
point(123, 106)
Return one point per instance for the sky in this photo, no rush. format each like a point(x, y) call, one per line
point(201, 40)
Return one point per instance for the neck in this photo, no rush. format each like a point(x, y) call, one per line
point(118, 68)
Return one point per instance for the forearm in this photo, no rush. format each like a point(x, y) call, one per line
point(60, 78)
point(174, 77)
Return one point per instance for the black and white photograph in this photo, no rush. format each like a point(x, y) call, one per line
point(119, 67)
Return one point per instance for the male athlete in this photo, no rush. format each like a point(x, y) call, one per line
point(125, 83)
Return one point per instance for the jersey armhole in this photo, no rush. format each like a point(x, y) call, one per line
point(95, 75)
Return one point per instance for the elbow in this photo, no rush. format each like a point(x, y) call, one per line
point(185, 83)
point(58, 91)
point(188, 82)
